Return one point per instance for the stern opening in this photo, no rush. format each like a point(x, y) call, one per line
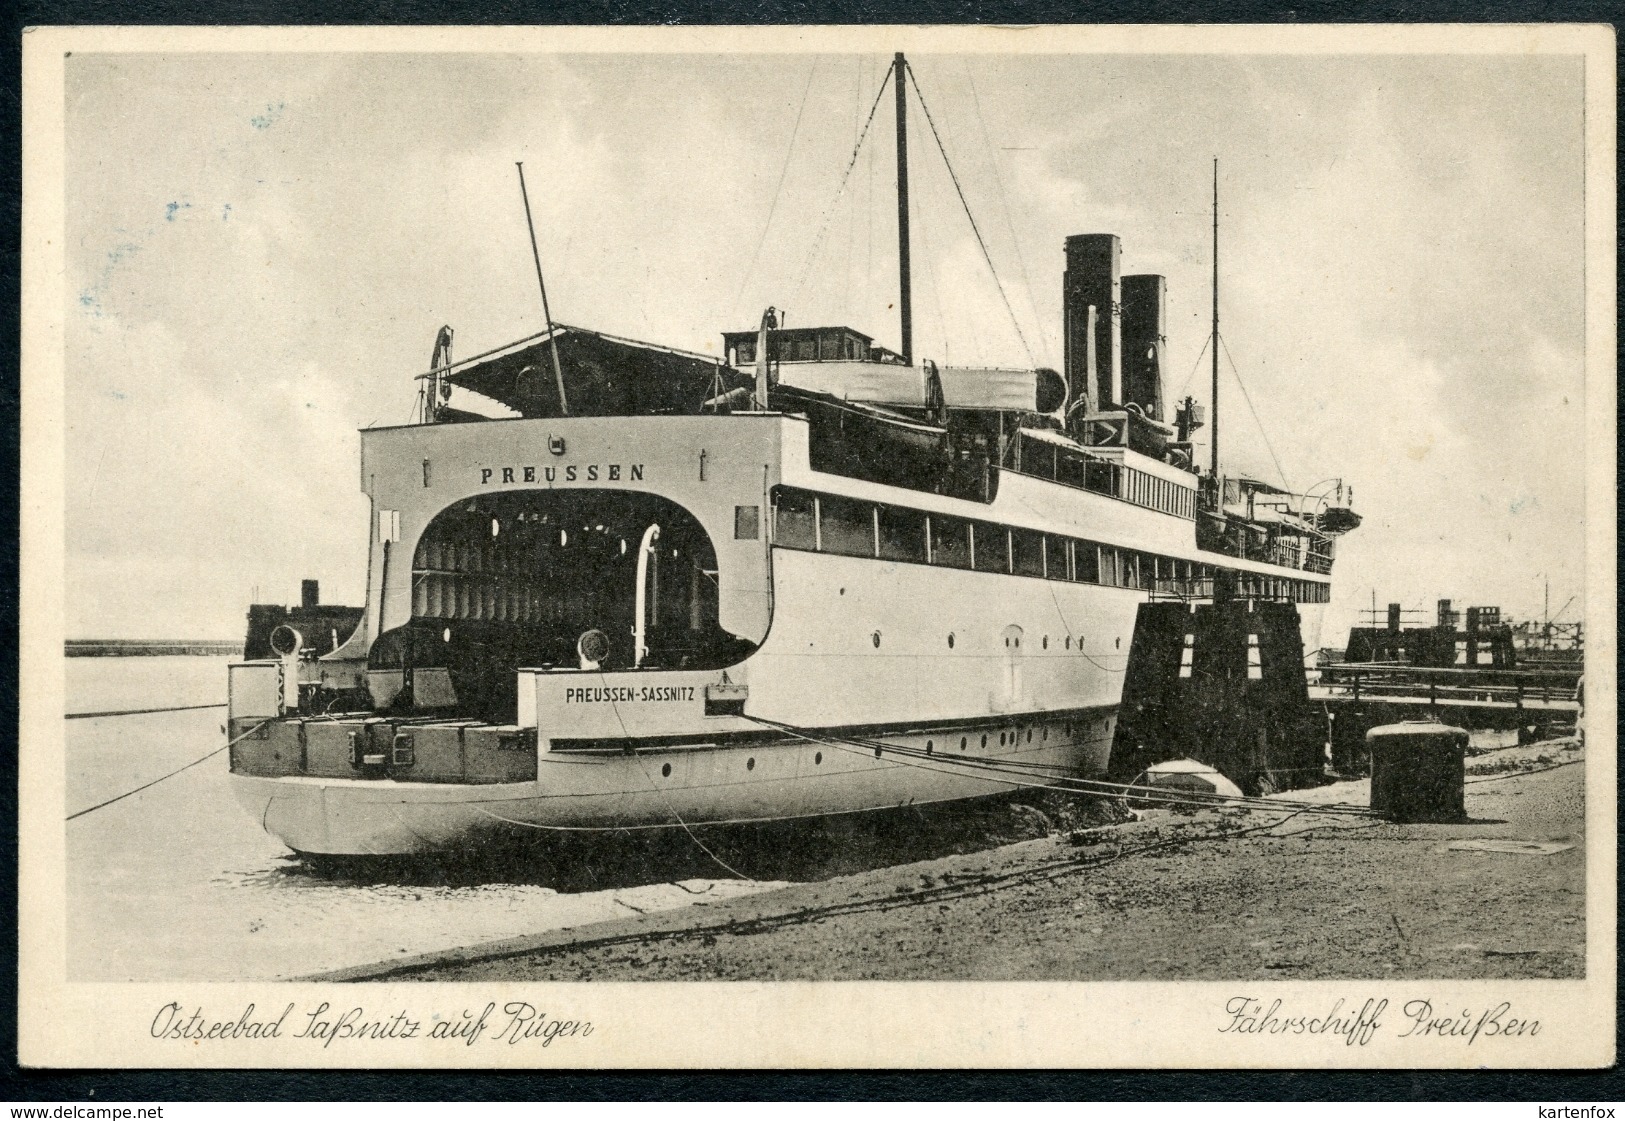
point(519, 580)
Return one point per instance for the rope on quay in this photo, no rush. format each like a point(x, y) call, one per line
point(1519, 774)
point(975, 885)
point(171, 774)
point(995, 769)
point(138, 711)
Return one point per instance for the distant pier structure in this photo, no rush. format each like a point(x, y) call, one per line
point(1488, 674)
point(146, 647)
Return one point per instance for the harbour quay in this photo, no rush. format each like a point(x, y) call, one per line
point(1215, 894)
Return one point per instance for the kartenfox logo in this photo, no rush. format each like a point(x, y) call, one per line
point(1574, 1112)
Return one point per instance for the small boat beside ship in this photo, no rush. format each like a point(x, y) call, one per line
point(644, 588)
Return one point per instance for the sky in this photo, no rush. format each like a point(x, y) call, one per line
point(262, 247)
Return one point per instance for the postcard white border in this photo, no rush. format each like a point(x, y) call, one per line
point(751, 1025)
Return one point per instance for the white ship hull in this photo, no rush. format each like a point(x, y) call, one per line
point(801, 777)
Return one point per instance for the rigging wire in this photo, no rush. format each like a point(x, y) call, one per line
point(1224, 346)
point(869, 217)
point(986, 256)
point(1044, 336)
point(924, 227)
point(852, 211)
point(1197, 365)
point(777, 190)
point(829, 212)
point(171, 774)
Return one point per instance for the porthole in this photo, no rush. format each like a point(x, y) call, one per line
point(818, 758)
point(665, 771)
point(843, 591)
point(1069, 642)
point(875, 638)
point(950, 640)
point(1046, 642)
point(1118, 642)
point(877, 751)
point(445, 635)
point(984, 739)
point(1029, 735)
point(929, 747)
point(750, 764)
point(961, 743)
point(1001, 739)
point(496, 527)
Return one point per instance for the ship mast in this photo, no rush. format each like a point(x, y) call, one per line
point(1213, 432)
point(904, 299)
point(547, 314)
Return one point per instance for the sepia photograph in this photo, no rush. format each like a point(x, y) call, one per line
point(1105, 532)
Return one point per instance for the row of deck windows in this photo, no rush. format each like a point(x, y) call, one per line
point(856, 528)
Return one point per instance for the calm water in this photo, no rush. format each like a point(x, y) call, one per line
point(179, 883)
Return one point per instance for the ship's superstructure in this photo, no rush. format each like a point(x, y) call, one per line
point(637, 587)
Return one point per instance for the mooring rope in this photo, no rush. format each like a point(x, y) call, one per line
point(1066, 783)
point(648, 778)
point(1520, 774)
point(172, 774)
point(138, 711)
point(974, 885)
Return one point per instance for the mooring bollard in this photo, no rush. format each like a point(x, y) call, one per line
point(1418, 771)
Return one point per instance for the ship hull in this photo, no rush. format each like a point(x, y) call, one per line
point(810, 774)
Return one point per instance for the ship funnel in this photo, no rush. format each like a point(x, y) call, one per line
point(1093, 279)
point(1145, 337)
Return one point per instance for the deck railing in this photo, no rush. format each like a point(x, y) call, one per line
point(1042, 459)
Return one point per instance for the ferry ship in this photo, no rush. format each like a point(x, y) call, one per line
point(646, 588)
